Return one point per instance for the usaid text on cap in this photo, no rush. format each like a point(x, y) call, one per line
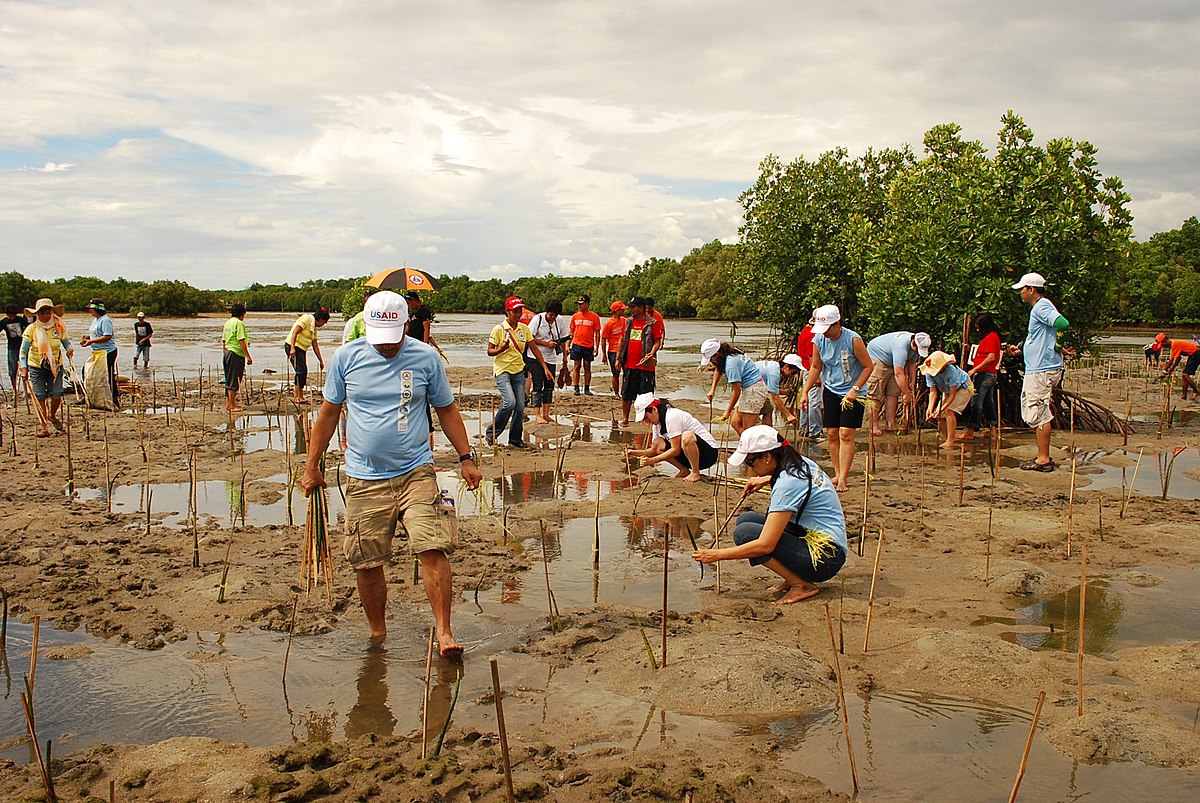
point(384, 315)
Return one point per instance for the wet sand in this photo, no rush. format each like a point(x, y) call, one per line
point(748, 687)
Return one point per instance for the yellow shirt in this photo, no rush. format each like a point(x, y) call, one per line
point(512, 359)
point(307, 333)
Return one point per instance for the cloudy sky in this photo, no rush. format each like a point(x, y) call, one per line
point(230, 142)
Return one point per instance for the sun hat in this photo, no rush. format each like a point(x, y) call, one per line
point(42, 303)
point(923, 341)
point(935, 362)
point(616, 305)
point(1030, 280)
point(96, 304)
point(708, 348)
point(794, 361)
point(641, 404)
point(825, 317)
point(755, 440)
point(512, 302)
point(385, 314)
point(141, 315)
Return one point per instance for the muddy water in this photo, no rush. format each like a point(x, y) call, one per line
point(1168, 468)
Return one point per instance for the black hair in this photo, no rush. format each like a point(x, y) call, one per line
point(237, 309)
point(554, 306)
point(789, 460)
point(661, 408)
point(12, 309)
point(723, 354)
point(985, 324)
point(322, 314)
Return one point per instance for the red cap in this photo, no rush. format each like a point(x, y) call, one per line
point(616, 305)
point(513, 302)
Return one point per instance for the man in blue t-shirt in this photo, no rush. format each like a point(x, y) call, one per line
point(1043, 365)
point(894, 359)
point(385, 380)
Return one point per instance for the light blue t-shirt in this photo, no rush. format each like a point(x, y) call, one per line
point(1041, 338)
point(839, 367)
point(823, 513)
point(100, 327)
point(740, 368)
point(894, 349)
point(386, 426)
point(770, 374)
point(951, 376)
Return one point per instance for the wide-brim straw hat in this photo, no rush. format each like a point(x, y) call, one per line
point(42, 303)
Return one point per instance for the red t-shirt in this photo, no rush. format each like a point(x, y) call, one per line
point(584, 328)
point(527, 316)
point(633, 354)
point(804, 346)
point(613, 331)
point(989, 345)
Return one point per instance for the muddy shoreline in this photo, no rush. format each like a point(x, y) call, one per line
point(734, 659)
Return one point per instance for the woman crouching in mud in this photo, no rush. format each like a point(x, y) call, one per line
point(802, 537)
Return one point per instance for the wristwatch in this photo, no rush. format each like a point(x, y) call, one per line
point(462, 458)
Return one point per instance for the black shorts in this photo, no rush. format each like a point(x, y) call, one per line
point(635, 382)
point(235, 367)
point(612, 363)
point(708, 455)
point(582, 353)
point(1193, 362)
point(834, 417)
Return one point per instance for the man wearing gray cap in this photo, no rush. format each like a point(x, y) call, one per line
point(1043, 365)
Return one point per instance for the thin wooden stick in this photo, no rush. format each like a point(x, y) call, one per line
point(43, 769)
point(1127, 498)
point(1082, 611)
point(546, 569)
point(962, 470)
point(871, 598)
point(425, 699)
point(509, 794)
point(291, 629)
point(1037, 712)
point(837, 669)
point(666, 565)
point(596, 539)
point(33, 653)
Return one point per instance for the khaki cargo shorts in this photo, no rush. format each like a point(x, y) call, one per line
point(1036, 391)
point(375, 507)
point(753, 399)
point(882, 382)
point(961, 399)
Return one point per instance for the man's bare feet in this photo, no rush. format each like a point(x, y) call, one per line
point(965, 437)
point(378, 638)
point(798, 593)
point(693, 477)
point(623, 425)
point(946, 445)
point(544, 421)
point(877, 431)
point(447, 646)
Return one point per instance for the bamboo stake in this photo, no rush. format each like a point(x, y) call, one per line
point(546, 570)
point(70, 456)
point(666, 566)
point(291, 629)
point(509, 794)
point(425, 699)
point(596, 540)
point(225, 571)
point(837, 669)
point(1127, 498)
point(43, 769)
point(1082, 611)
point(1037, 712)
point(871, 597)
point(33, 654)
point(962, 471)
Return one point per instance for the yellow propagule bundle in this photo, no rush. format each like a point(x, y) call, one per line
point(315, 560)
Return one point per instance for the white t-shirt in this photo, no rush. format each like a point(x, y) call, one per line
point(680, 421)
point(544, 330)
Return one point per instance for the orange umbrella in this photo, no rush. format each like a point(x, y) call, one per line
point(403, 279)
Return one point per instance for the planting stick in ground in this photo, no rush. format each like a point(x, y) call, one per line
point(596, 540)
point(43, 767)
point(33, 652)
point(70, 456)
point(666, 567)
point(288, 650)
point(425, 699)
point(225, 571)
point(862, 537)
point(1037, 712)
point(546, 571)
point(149, 501)
point(437, 750)
point(646, 641)
point(837, 670)
point(1070, 505)
point(498, 695)
point(1126, 498)
point(962, 471)
point(4, 622)
point(725, 523)
point(107, 471)
point(1128, 410)
point(1082, 611)
point(871, 597)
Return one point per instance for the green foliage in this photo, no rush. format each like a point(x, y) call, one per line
point(1159, 281)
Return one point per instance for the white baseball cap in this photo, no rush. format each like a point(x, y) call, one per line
point(708, 348)
point(755, 440)
point(825, 317)
point(794, 361)
point(386, 315)
point(641, 404)
point(1030, 280)
point(923, 341)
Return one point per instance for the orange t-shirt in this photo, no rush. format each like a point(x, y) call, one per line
point(613, 331)
point(1183, 347)
point(584, 328)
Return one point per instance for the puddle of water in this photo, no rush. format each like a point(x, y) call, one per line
point(920, 746)
point(1156, 467)
point(1178, 417)
point(1118, 615)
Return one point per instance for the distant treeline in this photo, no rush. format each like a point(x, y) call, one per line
point(1160, 282)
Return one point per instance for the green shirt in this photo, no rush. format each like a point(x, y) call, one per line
point(235, 330)
point(355, 328)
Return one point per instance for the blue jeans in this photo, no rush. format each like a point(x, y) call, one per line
point(813, 425)
point(791, 550)
point(982, 412)
point(512, 406)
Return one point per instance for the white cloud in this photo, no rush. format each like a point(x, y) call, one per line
point(233, 143)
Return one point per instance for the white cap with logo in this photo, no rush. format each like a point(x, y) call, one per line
point(708, 348)
point(825, 317)
point(923, 341)
point(386, 315)
point(1030, 280)
point(755, 440)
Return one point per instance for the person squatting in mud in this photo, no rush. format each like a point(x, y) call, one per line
point(802, 537)
point(677, 438)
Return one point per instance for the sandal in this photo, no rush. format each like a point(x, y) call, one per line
point(1034, 465)
point(57, 424)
